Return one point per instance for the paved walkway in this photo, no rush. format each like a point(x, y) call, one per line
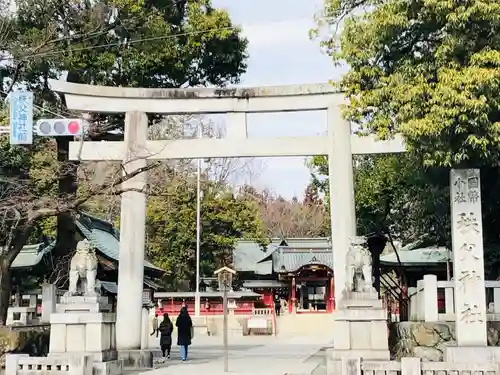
point(257, 355)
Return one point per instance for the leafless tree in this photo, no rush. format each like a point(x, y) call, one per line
point(222, 171)
point(23, 206)
point(289, 218)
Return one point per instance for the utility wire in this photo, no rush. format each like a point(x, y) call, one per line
point(124, 43)
point(115, 44)
point(120, 43)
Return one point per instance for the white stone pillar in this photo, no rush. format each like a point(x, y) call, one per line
point(430, 298)
point(413, 295)
point(468, 257)
point(49, 301)
point(420, 300)
point(132, 237)
point(449, 301)
point(341, 185)
point(496, 300)
point(33, 300)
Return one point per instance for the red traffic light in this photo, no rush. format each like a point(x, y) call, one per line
point(74, 127)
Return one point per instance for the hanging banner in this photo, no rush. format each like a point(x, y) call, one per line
point(21, 118)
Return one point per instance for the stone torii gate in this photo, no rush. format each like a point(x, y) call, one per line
point(339, 145)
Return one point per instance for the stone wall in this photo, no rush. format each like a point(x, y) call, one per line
point(235, 325)
point(29, 340)
point(427, 340)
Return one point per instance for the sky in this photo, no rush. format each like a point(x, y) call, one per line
point(281, 53)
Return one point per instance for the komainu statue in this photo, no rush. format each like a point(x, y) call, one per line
point(359, 267)
point(83, 271)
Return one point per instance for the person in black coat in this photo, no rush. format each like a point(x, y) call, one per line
point(166, 328)
point(277, 306)
point(184, 326)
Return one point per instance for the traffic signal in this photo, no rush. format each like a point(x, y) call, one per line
point(59, 127)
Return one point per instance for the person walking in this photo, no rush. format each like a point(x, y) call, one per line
point(277, 306)
point(184, 326)
point(155, 325)
point(166, 328)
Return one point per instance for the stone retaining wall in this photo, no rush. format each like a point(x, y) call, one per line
point(427, 340)
point(28, 340)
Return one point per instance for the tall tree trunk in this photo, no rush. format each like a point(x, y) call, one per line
point(66, 228)
point(68, 186)
point(5, 288)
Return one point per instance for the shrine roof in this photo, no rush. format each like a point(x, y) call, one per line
point(288, 259)
point(418, 256)
point(112, 286)
point(247, 254)
point(249, 257)
point(256, 284)
point(31, 255)
point(100, 233)
point(104, 237)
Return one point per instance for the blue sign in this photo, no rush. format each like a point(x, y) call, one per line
point(21, 118)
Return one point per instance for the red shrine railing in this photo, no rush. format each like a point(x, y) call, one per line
point(173, 308)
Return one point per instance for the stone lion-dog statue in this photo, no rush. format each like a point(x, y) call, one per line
point(83, 271)
point(359, 267)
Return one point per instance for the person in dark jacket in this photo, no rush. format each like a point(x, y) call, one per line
point(277, 306)
point(184, 326)
point(166, 328)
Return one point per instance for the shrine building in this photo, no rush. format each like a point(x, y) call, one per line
point(35, 262)
point(300, 270)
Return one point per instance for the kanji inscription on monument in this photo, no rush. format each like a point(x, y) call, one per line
point(468, 258)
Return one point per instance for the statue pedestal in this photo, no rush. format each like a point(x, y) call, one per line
point(83, 325)
point(80, 304)
point(360, 328)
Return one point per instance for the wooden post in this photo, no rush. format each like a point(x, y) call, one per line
point(293, 300)
point(225, 276)
point(331, 291)
point(226, 350)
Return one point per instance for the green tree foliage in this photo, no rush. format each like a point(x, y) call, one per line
point(431, 71)
point(149, 43)
point(427, 69)
point(171, 228)
point(397, 196)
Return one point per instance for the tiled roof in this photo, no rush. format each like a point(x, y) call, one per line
point(101, 234)
point(106, 242)
point(31, 255)
point(249, 257)
point(289, 260)
point(418, 256)
point(249, 284)
point(299, 243)
point(110, 286)
point(246, 257)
